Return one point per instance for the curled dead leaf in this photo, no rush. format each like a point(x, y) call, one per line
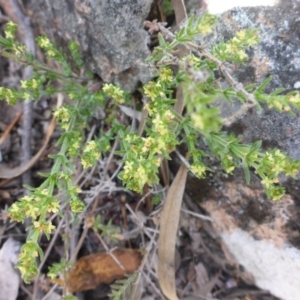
point(103, 267)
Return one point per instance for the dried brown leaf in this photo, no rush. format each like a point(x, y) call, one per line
point(168, 232)
point(94, 269)
point(152, 27)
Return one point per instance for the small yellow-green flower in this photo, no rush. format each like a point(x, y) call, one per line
point(32, 211)
point(195, 61)
point(26, 96)
point(128, 168)
point(295, 98)
point(169, 115)
point(198, 121)
point(77, 206)
point(62, 114)
point(148, 142)
point(276, 192)
point(153, 90)
point(34, 83)
point(228, 164)
point(90, 146)
point(231, 48)
point(72, 96)
point(269, 157)
point(10, 30)
point(204, 29)
point(253, 40)
point(24, 84)
point(51, 53)
point(279, 154)
point(242, 55)
point(50, 227)
point(44, 42)
point(9, 35)
point(147, 107)
point(241, 35)
point(198, 169)
point(19, 50)
point(38, 225)
point(44, 227)
point(115, 92)
point(166, 75)
point(159, 126)
point(277, 105)
point(53, 207)
point(14, 208)
point(27, 198)
point(267, 182)
point(128, 138)
point(160, 144)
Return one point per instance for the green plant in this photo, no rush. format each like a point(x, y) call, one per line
point(163, 130)
point(167, 7)
point(122, 288)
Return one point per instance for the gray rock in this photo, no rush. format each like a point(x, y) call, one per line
point(9, 277)
point(278, 55)
point(110, 34)
point(261, 234)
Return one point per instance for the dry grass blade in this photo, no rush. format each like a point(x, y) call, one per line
point(6, 172)
point(180, 11)
point(10, 127)
point(168, 231)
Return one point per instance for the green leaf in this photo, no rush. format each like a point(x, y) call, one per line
point(161, 41)
point(250, 87)
point(277, 91)
point(28, 187)
point(264, 84)
point(180, 34)
point(229, 93)
point(190, 22)
point(246, 172)
point(5, 43)
point(173, 44)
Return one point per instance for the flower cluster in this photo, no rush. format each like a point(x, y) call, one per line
point(10, 95)
point(31, 84)
point(91, 153)
point(234, 49)
point(27, 258)
point(144, 154)
point(114, 92)
point(47, 46)
point(10, 30)
point(205, 26)
point(199, 169)
point(33, 206)
point(271, 166)
point(63, 115)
